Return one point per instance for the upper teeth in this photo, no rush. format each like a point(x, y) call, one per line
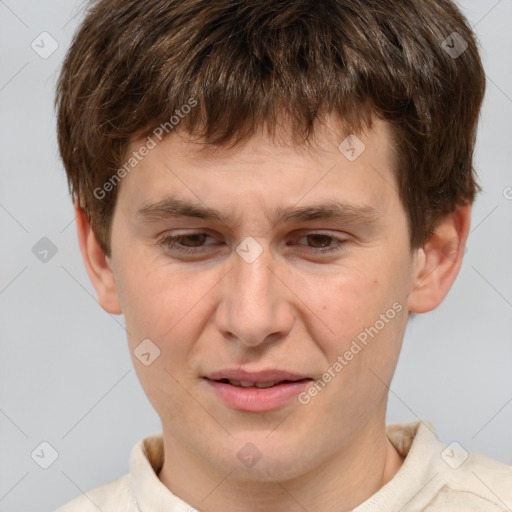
point(245, 384)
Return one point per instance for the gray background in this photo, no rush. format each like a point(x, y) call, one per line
point(65, 373)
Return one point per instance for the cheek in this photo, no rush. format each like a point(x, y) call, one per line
point(155, 299)
point(346, 303)
point(157, 306)
point(366, 316)
point(366, 304)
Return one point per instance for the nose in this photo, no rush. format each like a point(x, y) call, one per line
point(256, 305)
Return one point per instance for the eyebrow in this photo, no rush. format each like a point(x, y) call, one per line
point(172, 207)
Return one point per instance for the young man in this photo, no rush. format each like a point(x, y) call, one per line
point(267, 191)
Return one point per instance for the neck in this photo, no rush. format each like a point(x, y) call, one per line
point(340, 483)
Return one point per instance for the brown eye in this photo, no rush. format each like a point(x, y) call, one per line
point(321, 243)
point(186, 243)
point(196, 239)
point(320, 240)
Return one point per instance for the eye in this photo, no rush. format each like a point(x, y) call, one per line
point(323, 243)
point(194, 243)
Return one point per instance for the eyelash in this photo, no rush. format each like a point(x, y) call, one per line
point(169, 242)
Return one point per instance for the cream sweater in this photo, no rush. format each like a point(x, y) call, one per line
point(433, 478)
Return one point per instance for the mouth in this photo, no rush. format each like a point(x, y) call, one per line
point(258, 385)
point(245, 378)
point(256, 392)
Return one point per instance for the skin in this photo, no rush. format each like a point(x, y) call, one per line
point(292, 308)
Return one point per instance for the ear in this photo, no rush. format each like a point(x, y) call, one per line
point(97, 263)
point(438, 262)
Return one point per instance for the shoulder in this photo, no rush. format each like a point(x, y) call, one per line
point(478, 481)
point(110, 497)
point(436, 477)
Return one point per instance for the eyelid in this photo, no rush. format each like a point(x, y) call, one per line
point(337, 246)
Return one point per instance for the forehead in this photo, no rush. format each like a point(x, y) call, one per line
point(275, 170)
point(328, 134)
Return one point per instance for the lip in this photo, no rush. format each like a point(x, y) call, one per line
point(260, 376)
point(251, 399)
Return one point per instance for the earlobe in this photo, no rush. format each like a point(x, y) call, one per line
point(97, 264)
point(438, 262)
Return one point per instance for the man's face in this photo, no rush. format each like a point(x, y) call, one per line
point(276, 297)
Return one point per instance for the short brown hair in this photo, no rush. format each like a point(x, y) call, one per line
point(132, 65)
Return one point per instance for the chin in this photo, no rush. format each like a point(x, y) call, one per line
point(256, 460)
point(267, 472)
